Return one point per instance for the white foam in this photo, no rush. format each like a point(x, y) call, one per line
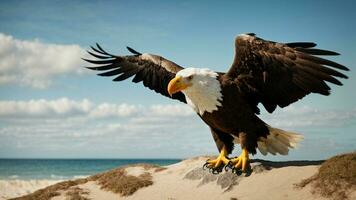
point(80, 176)
point(14, 176)
point(56, 177)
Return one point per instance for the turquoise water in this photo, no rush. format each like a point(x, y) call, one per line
point(59, 169)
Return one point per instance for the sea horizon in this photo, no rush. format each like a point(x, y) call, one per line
point(66, 168)
point(63, 158)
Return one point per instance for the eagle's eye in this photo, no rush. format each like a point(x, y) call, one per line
point(190, 77)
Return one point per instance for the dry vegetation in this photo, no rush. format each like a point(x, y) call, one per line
point(75, 193)
point(115, 180)
point(118, 181)
point(336, 177)
point(53, 190)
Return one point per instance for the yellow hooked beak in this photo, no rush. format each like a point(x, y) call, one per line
point(176, 85)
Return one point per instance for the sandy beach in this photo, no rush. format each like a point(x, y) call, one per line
point(187, 180)
point(14, 188)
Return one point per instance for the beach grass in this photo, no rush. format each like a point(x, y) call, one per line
point(336, 177)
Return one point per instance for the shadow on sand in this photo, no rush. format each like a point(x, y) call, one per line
point(279, 164)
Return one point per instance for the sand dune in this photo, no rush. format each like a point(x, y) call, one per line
point(187, 180)
point(13, 188)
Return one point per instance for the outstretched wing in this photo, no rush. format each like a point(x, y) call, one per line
point(154, 71)
point(278, 74)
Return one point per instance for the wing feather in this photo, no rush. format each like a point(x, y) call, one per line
point(98, 56)
point(126, 75)
point(138, 77)
point(282, 73)
point(99, 62)
point(102, 50)
point(317, 51)
point(103, 67)
point(112, 72)
point(301, 44)
point(154, 71)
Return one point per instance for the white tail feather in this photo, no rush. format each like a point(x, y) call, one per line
point(278, 141)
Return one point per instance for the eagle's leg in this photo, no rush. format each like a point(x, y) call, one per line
point(216, 165)
point(241, 162)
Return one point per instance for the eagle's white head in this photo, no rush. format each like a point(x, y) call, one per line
point(201, 88)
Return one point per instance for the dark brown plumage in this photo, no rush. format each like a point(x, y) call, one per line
point(153, 76)
point(273, 74)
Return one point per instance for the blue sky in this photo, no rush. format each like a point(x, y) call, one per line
point(52, 107)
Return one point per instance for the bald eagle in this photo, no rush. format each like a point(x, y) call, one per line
point(263, 72)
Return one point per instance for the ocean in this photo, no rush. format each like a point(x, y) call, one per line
point(54, 169)
point(23, 176)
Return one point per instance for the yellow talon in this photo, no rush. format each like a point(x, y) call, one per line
point(241, 162)
point(219, 161)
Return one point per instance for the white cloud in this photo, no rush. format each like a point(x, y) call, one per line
point(44, 108)
point(66, 127)
point(64, 107)
point(306, 116)
point(34, 63)
point(290, 117)
point(171, 110)
point(114, 110)
point(101, 127)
